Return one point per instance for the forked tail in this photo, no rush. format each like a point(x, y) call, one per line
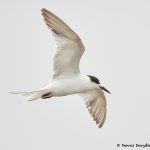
point(31, 95)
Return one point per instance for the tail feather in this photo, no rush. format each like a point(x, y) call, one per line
point(31, 95)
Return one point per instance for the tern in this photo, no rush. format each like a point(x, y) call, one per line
point(67, 79)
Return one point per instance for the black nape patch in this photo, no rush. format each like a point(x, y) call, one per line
point(94, 79)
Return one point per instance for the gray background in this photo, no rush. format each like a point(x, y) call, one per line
point(116, 35)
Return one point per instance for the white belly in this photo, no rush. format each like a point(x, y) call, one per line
point(70, 86)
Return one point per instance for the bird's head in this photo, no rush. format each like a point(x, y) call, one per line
point(96, 81)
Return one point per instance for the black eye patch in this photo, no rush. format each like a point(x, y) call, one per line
point(94, 79)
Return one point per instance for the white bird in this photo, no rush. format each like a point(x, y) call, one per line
point(67, 78)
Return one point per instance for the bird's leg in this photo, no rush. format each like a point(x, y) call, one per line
point(47, 95)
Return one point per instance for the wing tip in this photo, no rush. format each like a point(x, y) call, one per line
point(100, 125)
point(44, 10)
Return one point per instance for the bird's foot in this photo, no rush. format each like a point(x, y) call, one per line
point(47, 95)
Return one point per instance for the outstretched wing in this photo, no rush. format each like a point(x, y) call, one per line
point(69, 46)
point(96, 103)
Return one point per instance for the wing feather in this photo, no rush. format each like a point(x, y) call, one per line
point(69, 46)
point(96, 103)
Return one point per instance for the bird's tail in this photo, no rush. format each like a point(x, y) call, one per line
point(31, 95)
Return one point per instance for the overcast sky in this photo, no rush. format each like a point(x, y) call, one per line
point(116, 35)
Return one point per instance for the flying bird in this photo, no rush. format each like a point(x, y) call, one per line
point(67, 79)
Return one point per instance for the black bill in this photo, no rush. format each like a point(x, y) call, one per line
point(103, 88)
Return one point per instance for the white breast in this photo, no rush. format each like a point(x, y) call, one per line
point(72, 85)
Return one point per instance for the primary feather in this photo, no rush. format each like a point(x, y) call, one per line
point(96, 103)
